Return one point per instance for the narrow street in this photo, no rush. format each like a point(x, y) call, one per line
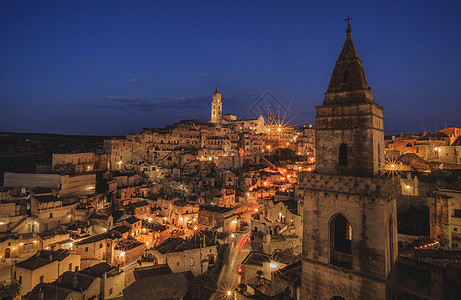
point(229, 277)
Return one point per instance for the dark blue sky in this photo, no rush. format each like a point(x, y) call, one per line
point(112, 67)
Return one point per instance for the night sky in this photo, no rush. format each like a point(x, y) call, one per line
point(113, 67)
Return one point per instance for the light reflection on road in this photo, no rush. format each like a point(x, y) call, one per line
point(229, 278)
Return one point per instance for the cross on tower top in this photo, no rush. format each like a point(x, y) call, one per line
point(347, 19)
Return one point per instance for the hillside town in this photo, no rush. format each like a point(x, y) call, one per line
point(230, 208)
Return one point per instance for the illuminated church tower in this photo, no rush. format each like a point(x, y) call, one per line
point(216, 107)
point(350, 228)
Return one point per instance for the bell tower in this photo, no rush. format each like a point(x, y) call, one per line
point(216, 107)
point(350, 214)
point(349, 124)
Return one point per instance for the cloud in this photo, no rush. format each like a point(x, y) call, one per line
point(137, 80)
point(145, 104)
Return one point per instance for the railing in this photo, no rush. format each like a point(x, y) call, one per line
point(453, 255)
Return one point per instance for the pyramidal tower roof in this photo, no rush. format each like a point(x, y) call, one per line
point(216, 91)
point(348, 80)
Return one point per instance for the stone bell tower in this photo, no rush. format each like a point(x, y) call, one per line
point(216, 107)
point(350, 214)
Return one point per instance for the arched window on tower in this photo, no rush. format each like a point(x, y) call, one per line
point(346, 76)
point(340, 242)
point(342, 155)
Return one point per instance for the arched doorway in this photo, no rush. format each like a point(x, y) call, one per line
point(7, 253)
point(340, 241)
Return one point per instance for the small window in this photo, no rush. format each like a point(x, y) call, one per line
point(51, 215)
point(177, 263)
point(346, 76)
point(20, 279)
point(100, 246)
point(111, 291)
point(70, 267)
point(342, 157)
point(192, 262)
point(86, 249)
point(457, 213)
point(41, 279)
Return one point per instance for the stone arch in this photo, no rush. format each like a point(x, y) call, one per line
point(7, 253)
point(342, 154)
point(340, 241)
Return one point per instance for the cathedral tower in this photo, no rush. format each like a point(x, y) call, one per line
point(350, 228)
point(216, 107)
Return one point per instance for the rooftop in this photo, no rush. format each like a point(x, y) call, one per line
point(256, 258)
point(43, 258)
point(152, 271)
point(132, 220)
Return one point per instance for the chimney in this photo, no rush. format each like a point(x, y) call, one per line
point(50, 256)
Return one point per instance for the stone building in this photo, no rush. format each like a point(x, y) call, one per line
point(445, 217)
point(194, 254)
point(216, 107)
point(350, 228)
point(44, 266)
